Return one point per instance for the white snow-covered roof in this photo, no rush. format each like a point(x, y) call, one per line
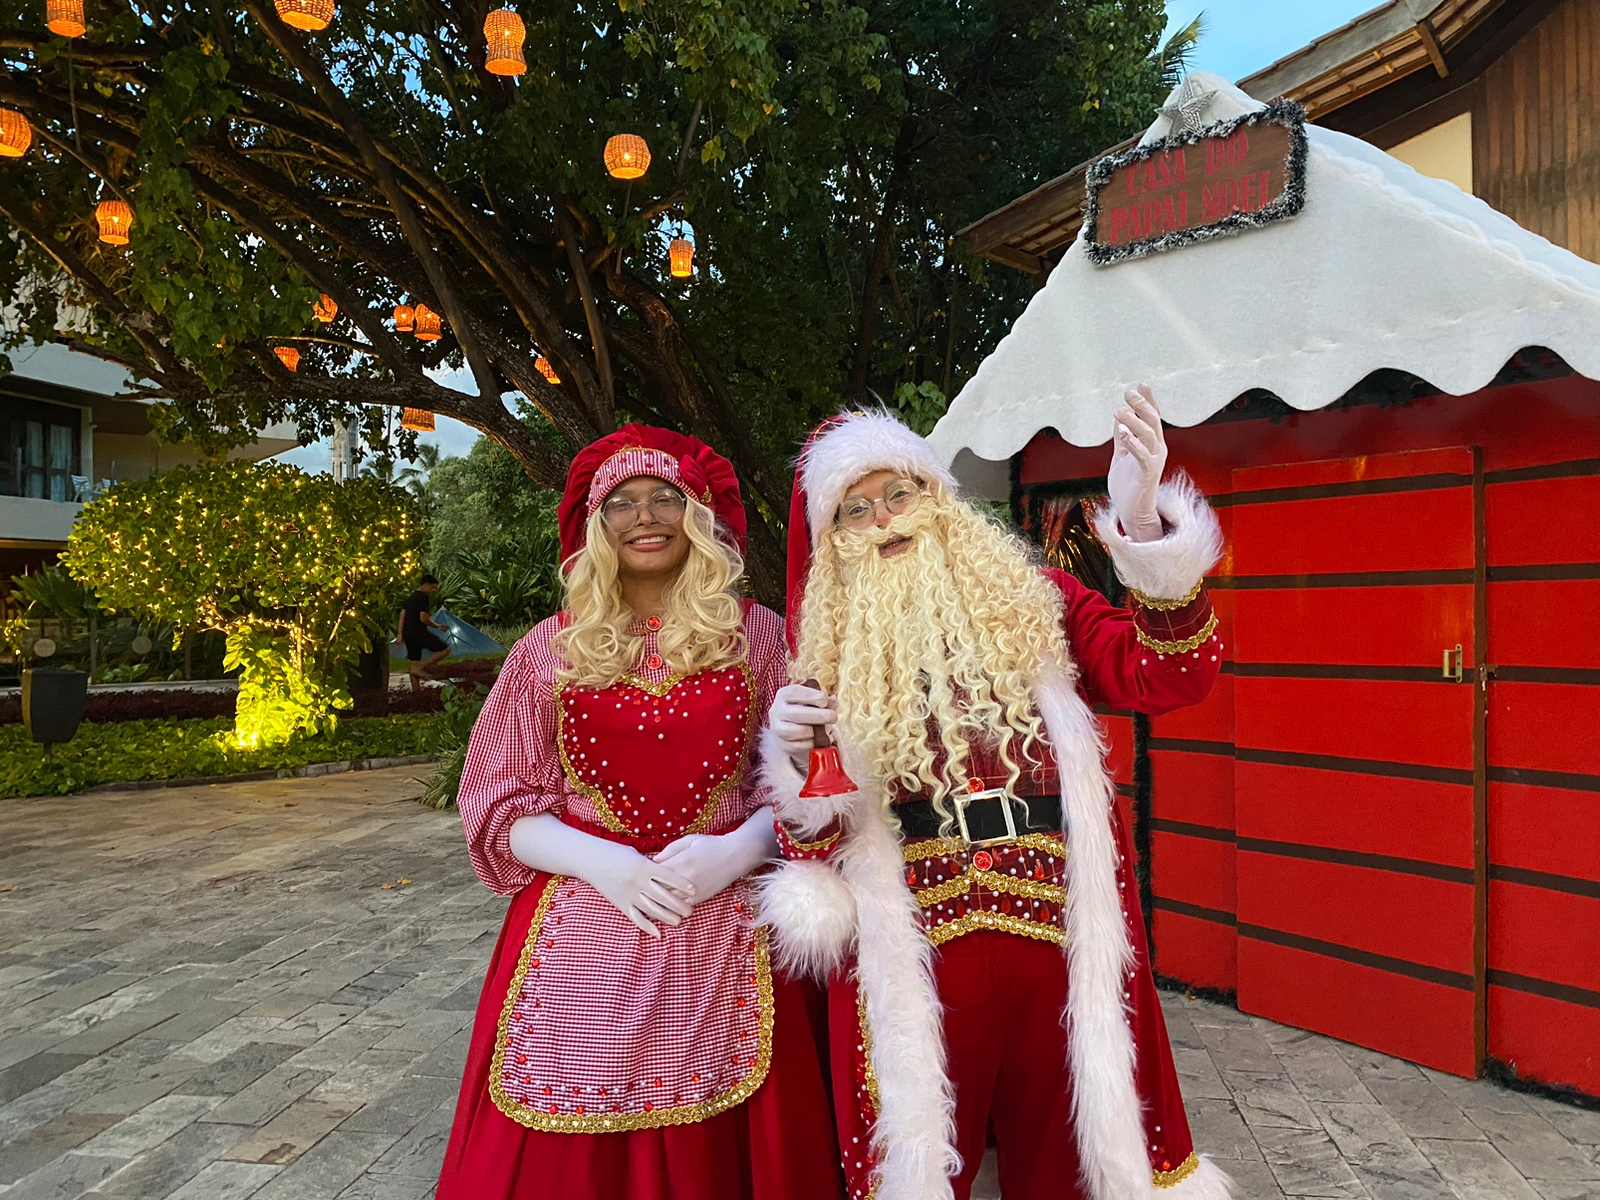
point(1383, 268)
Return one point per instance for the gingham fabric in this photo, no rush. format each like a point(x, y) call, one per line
point(610, 1028)
point(630, 464)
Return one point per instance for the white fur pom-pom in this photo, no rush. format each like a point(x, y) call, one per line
point(812, 916)
point(1168, 569)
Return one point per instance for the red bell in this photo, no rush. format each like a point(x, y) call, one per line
point(826, 776)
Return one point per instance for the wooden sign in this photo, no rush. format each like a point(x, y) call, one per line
point(1227, 178)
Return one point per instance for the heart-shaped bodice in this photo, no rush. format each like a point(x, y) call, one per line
point(657, 758)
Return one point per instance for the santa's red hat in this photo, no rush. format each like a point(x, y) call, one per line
point(840, 451)
point(683, 461)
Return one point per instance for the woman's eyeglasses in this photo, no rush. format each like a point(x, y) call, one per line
point(900, 496)
point(666, 506)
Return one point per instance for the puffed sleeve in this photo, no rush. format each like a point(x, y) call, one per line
point(1161, 652)
point(513, 766)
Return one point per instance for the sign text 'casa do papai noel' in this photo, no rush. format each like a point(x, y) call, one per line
point(1226, 178)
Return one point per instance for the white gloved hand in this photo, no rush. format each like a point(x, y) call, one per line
point(795, 711)
point(640, 889)
point(712, 861)
point(1137, 461)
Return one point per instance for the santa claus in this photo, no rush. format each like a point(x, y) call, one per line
point(973, 904)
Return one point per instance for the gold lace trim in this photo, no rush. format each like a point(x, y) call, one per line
point(811, 847)
point(872, 1080)
point(1146, 601)
point(1042, 931)
point(713, 798)
point(685, 1114)
point(1172, 1178)
point(1048, 843)
point(1030, 889)
point(1183, 647)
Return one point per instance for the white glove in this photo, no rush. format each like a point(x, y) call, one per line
point(641, 890)
point(712, 861)
point(1137, 461)
point(795, 711)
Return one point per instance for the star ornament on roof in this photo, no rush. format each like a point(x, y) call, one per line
point(1188, 106)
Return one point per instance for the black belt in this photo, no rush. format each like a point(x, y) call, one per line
point(984, 816)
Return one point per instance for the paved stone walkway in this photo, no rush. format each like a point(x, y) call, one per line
point(264, 990)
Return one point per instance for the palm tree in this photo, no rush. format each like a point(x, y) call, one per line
point(414, 478)
point(1173, 58)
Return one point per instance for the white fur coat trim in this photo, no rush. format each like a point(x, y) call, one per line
point(914, 1134)
point(863, 442)
point(1208, 1182)
point(1168, 569)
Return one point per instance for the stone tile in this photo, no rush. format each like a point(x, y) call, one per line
point(1252, 1179)
point(1476, 1093)
point(238, 1070)
point(1419, 1106)
point(332, 1165)
point(420, 1153)
point(1386, 1161)
point(64, 1178)
point(1217, 1129)
point(1320, 1072)
point(1560, 1190)
point(291, 1133)
point(403, 1187)
point(196, 1020)
point(150, 1126)
point(173, 1163)
point(49, 1141)
point(230, 1037)
point(400, 1109)
point(227, 1181)
point(1476, 1170)
point(1306, 1162)
point(1270, 1103)
point(1197, 1074)
point(35, 1071)
point(426, 1030)
point(1532, 1145)
point(1580, 1125)
point(1241, 1050)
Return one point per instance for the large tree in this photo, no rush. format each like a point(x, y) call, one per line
point(825, 152)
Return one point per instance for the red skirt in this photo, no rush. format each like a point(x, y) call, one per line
point(778, 1145)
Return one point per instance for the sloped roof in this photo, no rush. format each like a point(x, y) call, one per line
point(1384, 268)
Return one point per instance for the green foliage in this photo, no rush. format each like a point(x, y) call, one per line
point(127, 751)
point(461, 709)
point(290, 567)
point(521, 585)
point(51, 592)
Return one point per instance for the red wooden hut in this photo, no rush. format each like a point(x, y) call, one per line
point(1384, 825)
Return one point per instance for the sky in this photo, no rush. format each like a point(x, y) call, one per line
point(1239, 38)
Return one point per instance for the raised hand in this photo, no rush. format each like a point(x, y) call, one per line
point(1138, 458)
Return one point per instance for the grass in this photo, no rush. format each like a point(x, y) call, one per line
point(127, 751)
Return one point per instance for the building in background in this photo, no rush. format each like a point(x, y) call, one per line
point(65, 433)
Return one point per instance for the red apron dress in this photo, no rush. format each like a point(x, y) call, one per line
point(605, 1063)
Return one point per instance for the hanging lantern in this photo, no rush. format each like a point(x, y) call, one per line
point(16, 135)
point(288, 356)
point(627, 156)
point(310, 15)
point(326, 309)
point(418, 419)
point(404, 318)
point(64, 18)
point(505, 32)
point(681, 252)
point(116, 219)
point(429, 325)
point(542, 365)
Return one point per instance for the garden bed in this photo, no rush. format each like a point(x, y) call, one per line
point(129, 751)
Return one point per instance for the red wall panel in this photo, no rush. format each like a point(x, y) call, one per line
point(1545, 622)
point(1357, 718)
point(1382, 626)
point(1194, 788)
point(1545, 1039)
point(1546, 726)
point(1537, 521)
point(1197, 952)
point(1209, 721)
point(1545, 934)
point(1545, 829)
point(1193, 870)
point(1399, 531)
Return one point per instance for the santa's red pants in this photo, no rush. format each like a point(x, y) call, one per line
point(1003, 997)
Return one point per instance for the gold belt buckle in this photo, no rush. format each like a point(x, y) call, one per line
point(971, 797)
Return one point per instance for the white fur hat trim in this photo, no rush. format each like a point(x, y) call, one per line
point(863, 442)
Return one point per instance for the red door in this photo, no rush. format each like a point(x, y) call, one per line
point(1359, 784)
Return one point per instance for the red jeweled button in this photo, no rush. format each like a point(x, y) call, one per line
point(974, 785)
point(653, 624)
point(983, 860)
point(653, 662)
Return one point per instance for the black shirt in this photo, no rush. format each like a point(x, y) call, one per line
point(416, 605)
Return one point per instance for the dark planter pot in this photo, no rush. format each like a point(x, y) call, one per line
point(52, 703)
point(371, 673)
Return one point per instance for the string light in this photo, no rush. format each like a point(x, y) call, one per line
point(116, 221)
point(64, 18)
point(627, 156)
point(429, 326)
point(326, 309)
point(418, 419)
point(505, 33)
point(16, 135)
point(311, 15)
point(681, 253)
point(542, 365)
point(288, 356)
point(404, 318)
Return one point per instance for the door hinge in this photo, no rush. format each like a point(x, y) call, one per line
point(1454, 663)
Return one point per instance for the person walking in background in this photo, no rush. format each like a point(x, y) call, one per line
point(424, 648)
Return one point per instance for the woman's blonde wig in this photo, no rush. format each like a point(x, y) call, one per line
point(702, 621)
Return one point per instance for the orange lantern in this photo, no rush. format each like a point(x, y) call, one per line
point(288, 356)
point(429, 326)
point(326, 309)
point(505, 33)
point(16, 135)
point(310, 15)
point(627, 156)
point(116, 219)
point(404, 318)
point(64, 18)
point(542, 365)
point(681, 252)
point(418, 419)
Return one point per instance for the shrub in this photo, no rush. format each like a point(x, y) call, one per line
point(461, 709)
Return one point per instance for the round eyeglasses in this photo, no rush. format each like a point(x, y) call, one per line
point(900, 496)
point(666, 506)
